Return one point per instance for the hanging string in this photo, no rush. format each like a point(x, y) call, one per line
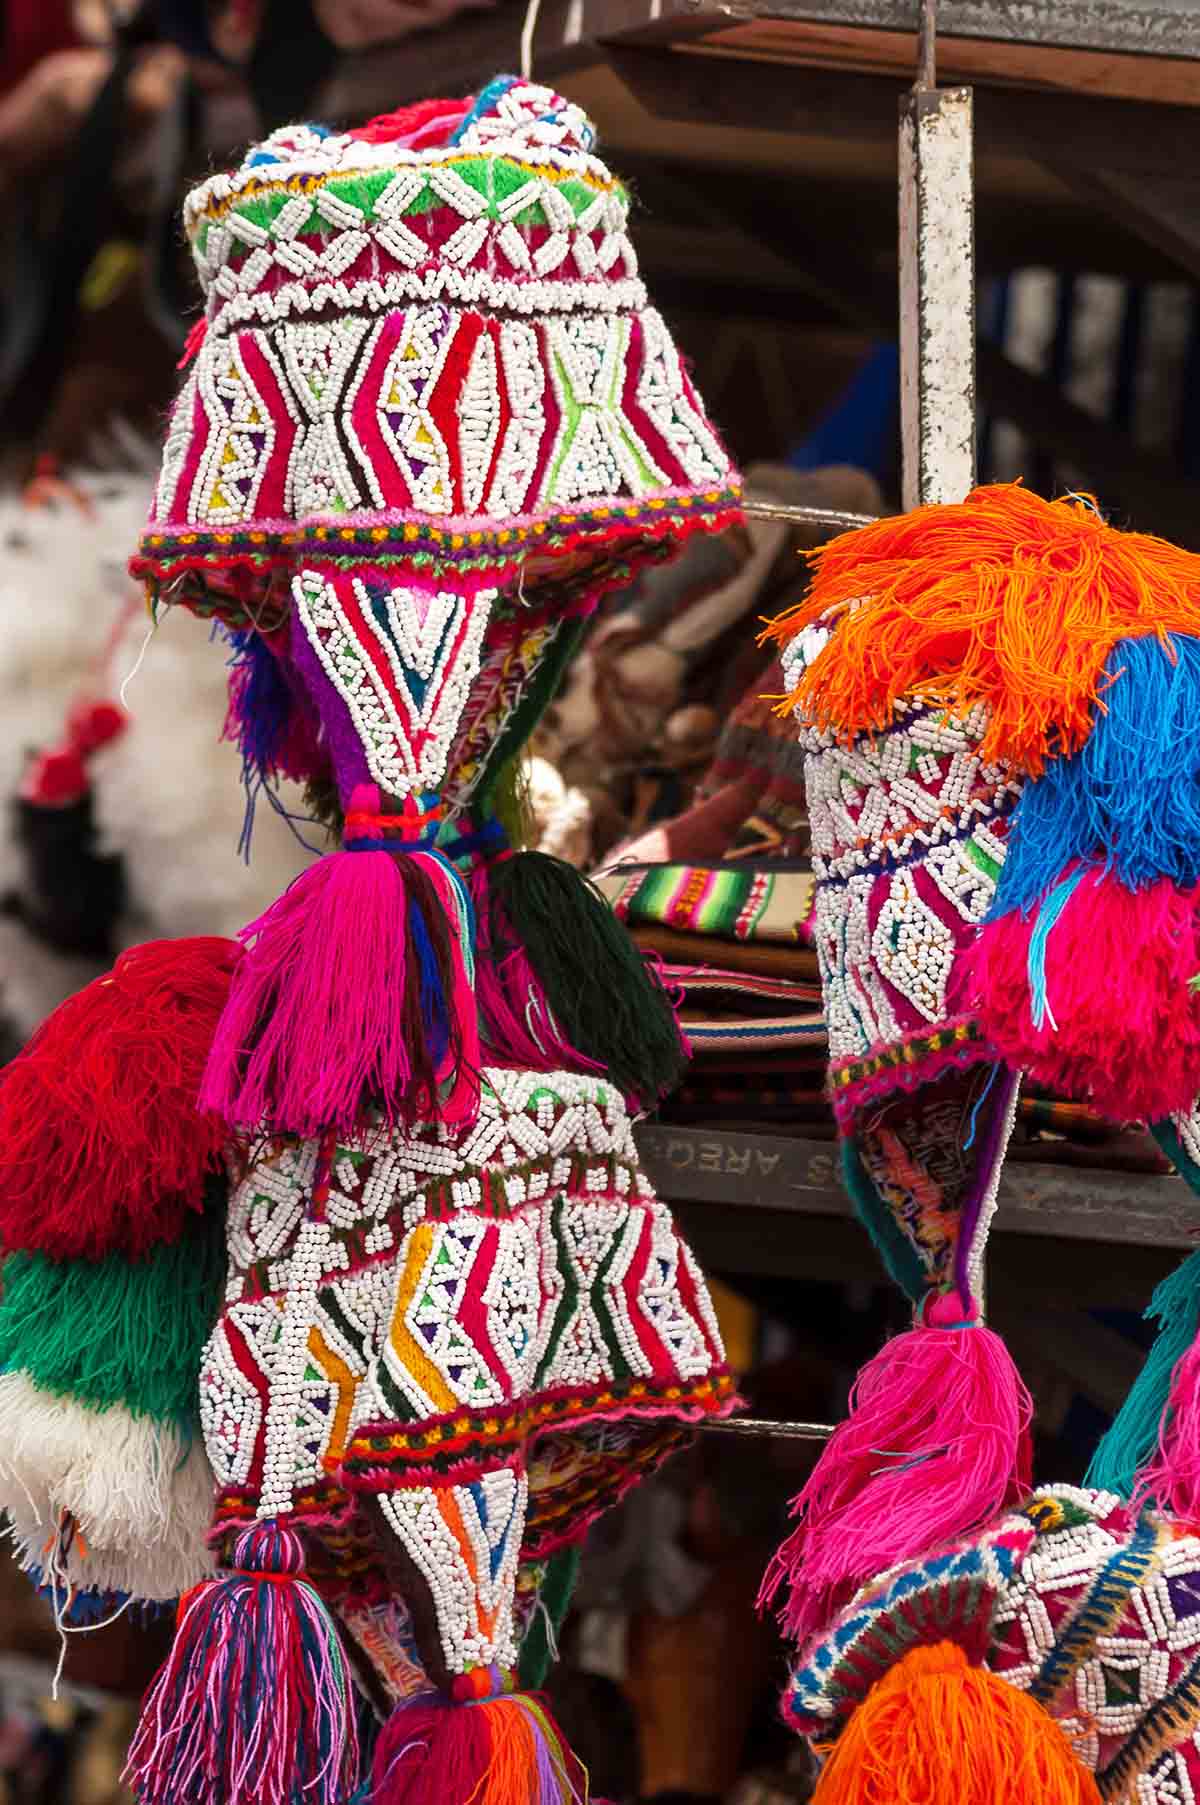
point(151, 630)
point(527, 30)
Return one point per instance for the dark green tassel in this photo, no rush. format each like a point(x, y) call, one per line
point(607, 1002)
point(553, 1601)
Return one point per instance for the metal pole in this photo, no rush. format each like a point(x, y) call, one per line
point(937, 282)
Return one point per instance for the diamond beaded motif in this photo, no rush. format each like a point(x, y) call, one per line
point(453, 1335)
point(1076, 1600)
point(908, 831)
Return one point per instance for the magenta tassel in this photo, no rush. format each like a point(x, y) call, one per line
point(346, 1009)
point(254, 1705)
point(932, 1448)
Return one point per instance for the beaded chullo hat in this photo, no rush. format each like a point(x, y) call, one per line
point(999, 701)
point(1053, 1658)
point(343, 1223)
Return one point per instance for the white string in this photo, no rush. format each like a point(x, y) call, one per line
point(151, 630)
point(527, 30)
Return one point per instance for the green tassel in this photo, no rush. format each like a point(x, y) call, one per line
point(1133, 1434)
point(608, 1003)
point(554, 1598)
point(509, 801)
point(117, 1331)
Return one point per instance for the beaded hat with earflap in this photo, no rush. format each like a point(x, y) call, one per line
point(430, 419)
point(1051, 1659)
point(1000, 700)
point(342, 1223)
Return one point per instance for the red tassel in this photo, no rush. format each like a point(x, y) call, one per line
point(103, 1148)
point(934, 1445)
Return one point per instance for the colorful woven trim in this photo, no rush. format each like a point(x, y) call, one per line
point(905, 1065)
point(164, 555)
point(462, 1444)
point(950, 1596)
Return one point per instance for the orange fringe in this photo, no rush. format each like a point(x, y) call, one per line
point(937, 1731)
point(1004, 599)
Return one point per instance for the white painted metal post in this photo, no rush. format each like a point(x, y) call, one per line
point(937, 285)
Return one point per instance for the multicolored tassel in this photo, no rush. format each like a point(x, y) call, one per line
point(488, 1744)
point(254, 1705)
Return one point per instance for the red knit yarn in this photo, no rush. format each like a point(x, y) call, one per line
point(417, 127)
point(102, 1146)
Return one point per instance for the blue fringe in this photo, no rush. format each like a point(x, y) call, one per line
point(434, 1012)
point(265, 716)
point(1131, 793)
point(89, 1608)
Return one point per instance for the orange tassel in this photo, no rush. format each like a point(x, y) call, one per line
point(937, 1731)
point(1004, 599)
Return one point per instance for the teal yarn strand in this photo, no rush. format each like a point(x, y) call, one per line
point(1133, 1435)
point(1048, 914)
point(118, 1331)
point(899, 1258)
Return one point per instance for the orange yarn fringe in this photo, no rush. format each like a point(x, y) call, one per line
point(937, 1731)
point(1004, 599)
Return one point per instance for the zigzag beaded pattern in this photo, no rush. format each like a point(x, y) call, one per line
point(1091, 1609)
point(437, 411)
point(461, 1311)
point(908, 834)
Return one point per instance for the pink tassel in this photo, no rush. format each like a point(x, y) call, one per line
point(934, 1446)
point(254, 1705)
point(1171, 1480)
point(1108, 1015)
point(517, 1020)
point(354, 1000)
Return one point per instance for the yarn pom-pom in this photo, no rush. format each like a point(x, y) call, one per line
point(1132, 1438)
point(1091, 995)
point(932, 1448)
point(937, 1731)
point(503, 1750)
point(255, 1702)
point(1131, 792)
point(117, 1331)
point(103, 1146)
point(1002, 599)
